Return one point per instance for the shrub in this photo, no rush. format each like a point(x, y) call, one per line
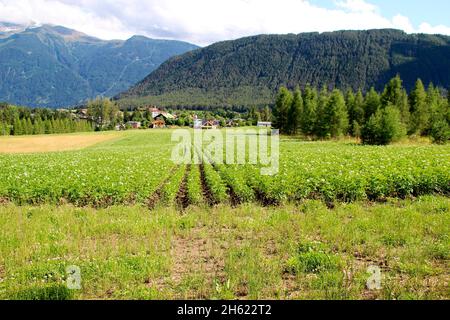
point(440, 132)
point(384, 127)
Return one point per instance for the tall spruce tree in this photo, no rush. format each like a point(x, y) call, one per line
point(281, 111)
point(48, 127)
point(322, 124)
point(308, 117)
point(336, 114)
point(295, 112)
point(266, 114)
point(17, 127)
point(350, 103)
point(419, 109)
point(372, 103)
point(28, 126)
point(395, 95)
point(355, 106)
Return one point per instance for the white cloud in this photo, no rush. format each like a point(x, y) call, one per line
point(427, 28)
point(357, 6)
point(403, 23)
point(203, 21)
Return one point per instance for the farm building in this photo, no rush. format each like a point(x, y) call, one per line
point(210, 124)
point(120, 127)
point(262, 124)
point(134, 124)
point(155, 112)
point(231, 123)
point(198, 123)
point(83, 114)
point(158, 124)
point(163, 115)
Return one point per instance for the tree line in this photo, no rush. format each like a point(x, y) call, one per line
point(376, 118)
point(25, 121)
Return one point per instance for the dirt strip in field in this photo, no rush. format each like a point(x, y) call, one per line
point(182, 199)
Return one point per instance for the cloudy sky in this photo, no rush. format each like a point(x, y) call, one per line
point(206, 21)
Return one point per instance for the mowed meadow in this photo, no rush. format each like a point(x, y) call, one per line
point(141, 227)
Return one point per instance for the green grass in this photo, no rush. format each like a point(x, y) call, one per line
point(292, 252)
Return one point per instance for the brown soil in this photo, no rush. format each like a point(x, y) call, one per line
point(264, 200)
point(207, 194)
point(155, 198)
point(182, 199)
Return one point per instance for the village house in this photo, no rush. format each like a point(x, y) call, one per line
point(161, 118)
point(231, 124)
point(158, 124)
point(198, 123)
point(134, 124)
point(120, 127)
point(155, 112)
point(210, 124)
point(164, 115)
point(83, 114)
point(262, 124)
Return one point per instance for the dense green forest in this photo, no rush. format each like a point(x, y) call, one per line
point(66, 68)
point(375, 118)
point(25, 121)
point(249, 71)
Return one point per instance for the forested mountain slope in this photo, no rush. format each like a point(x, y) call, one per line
point(250, 70)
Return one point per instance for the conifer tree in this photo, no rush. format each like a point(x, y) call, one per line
point(355, 106)
point(336, 114)
point(308, 117)
point(295, 112)
point(350, 103)
point(383, 127)
point(282, 106)
point(371, 103)
point(17, 127)
point(437, 106)
point(266, 114)
point(47, 127)
point(23, 124)
point(358, 111)
point(322, 124)
point(395, 95)
point(54, 126)
point(419, 108)
point(28, 126)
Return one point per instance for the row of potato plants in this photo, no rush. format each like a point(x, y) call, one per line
point(336, 171)
point(93, 177)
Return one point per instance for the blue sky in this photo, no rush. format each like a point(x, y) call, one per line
point(206, 21)
point(432, 11)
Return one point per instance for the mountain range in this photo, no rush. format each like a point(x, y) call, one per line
point(53, 66)
point(250, 70)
